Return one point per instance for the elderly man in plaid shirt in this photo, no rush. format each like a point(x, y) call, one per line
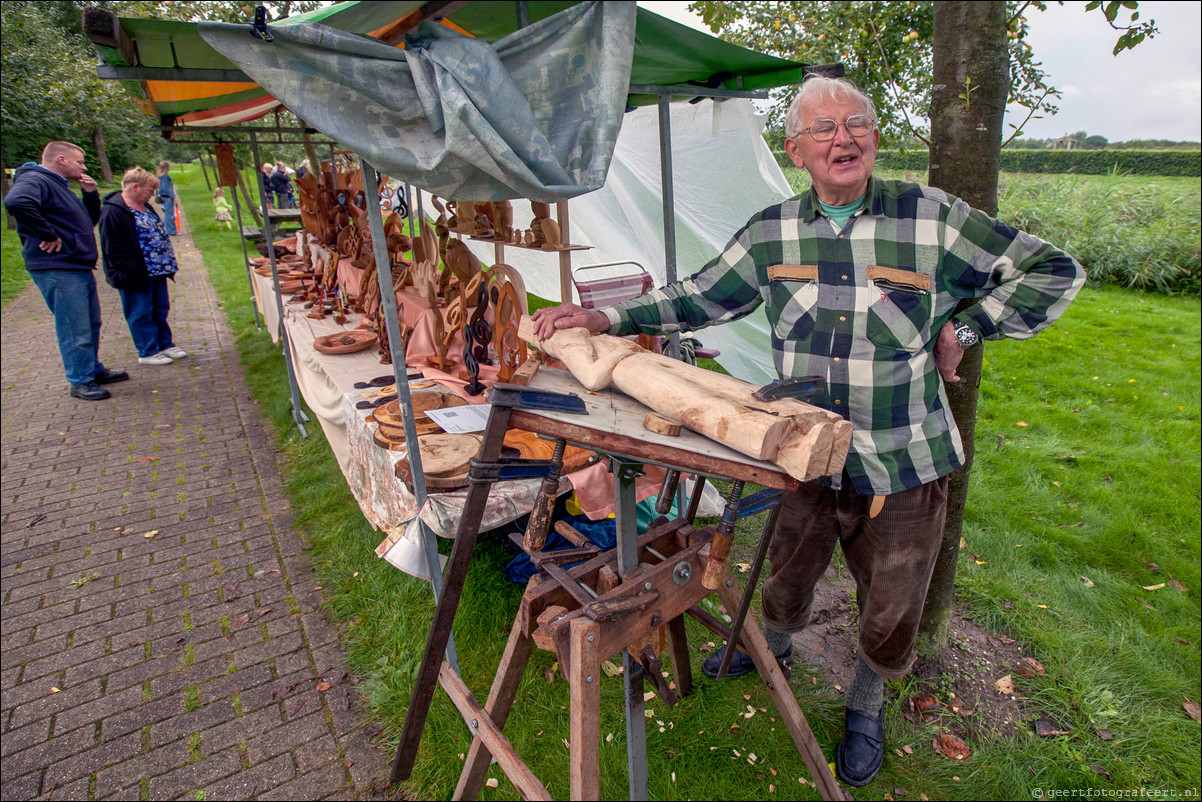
point(861, 277)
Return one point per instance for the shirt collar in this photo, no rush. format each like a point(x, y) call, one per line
point(873, 203)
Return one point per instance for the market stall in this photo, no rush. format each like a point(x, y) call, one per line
point(487, 106)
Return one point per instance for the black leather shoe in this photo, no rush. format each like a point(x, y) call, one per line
point(740, 663)
point(111, 376)
point(90, 392)
point(862, 750)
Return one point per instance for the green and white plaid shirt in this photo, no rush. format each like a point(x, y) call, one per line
point(862, 307)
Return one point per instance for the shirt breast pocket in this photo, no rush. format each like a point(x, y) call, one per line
point(899, 317)
point(793, 290)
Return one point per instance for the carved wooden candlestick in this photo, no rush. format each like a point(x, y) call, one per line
point(471, 373)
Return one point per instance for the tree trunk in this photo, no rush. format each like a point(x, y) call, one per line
point(106, 172)
point(252, 205)
point(971, 83)
point(204, 170)
point(311, 155)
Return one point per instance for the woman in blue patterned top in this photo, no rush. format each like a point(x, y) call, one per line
point(138, 260)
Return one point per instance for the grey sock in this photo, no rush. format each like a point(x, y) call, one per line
point(778, 642)
point(867, 691)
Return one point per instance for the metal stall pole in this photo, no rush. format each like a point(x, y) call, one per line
point(400, 374)
point(665, 172)
point(298, 414)
point(245, 256)
point(632, 670)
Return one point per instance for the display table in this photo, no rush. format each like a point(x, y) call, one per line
point(326, 382)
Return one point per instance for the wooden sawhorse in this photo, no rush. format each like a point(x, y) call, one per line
point(617, 602)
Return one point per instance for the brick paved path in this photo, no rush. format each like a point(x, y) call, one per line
point(164, 666)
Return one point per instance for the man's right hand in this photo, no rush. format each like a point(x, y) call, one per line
point(54, 246)
point(566, 316)
point(87, 183)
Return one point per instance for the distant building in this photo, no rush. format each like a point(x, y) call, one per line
point(1065, 143)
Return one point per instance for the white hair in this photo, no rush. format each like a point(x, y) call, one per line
point(818, 86)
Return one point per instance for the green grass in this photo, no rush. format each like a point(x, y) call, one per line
point(1120, 457)
point(13, 275)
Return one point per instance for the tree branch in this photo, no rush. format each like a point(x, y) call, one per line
point(893, 84)
point(1034, 107)
point(1018, 14)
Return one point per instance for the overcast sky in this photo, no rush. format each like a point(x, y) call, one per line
point(1151, 92)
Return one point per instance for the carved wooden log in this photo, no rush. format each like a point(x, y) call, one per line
point(803, 440)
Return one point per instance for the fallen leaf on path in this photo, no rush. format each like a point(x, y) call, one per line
point(1191, 708)
point(492, 782)
point(1005, 685)
point(150, 534)
point(1030, 667)
point(323, 686)
point(951, 746)
point(34, 521)
point(907, 749)
point(1005, 640)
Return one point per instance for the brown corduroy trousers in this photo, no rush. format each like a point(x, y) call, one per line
point(890, 556)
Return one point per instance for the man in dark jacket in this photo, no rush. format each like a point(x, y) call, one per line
point(281, 185)
point(59, 246)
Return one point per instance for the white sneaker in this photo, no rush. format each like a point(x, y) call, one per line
point(157, 359)
point(175, 352)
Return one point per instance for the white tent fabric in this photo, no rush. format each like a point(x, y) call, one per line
point(723, 173)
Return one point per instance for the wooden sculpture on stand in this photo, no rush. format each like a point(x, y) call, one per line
point(481, 331)
point(442, 342)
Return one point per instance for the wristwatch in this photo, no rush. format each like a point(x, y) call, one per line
point(965, 336)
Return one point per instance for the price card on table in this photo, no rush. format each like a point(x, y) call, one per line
point(460, 420)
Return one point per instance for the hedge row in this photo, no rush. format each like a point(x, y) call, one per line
point(1085, 162)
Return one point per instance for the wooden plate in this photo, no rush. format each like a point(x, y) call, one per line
point(444, 460)
point(388, 416)
point(346, 342)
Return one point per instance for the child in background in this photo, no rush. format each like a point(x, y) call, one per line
point(222, 207)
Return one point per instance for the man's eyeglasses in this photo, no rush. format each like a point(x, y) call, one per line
point(823, 130)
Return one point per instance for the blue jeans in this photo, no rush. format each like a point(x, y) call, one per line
point(72, 299)
point(146, 313)
point(169, 215)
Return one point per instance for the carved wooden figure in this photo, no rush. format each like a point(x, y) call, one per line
point(511, 349)
point(441, 341)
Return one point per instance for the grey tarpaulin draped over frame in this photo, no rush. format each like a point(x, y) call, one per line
point(534, 116)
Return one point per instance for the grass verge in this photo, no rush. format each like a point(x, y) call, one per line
point(1102, 483)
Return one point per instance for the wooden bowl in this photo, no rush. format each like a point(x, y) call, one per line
point(531, 446)
point(345, 342)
